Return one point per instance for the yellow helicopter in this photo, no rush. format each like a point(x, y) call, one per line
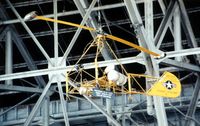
point(105, 83)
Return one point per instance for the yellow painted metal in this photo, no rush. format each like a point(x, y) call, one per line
point(129, 83)
point(117, 39)
point(65, 23)
point(167, 86)
point(142, 75)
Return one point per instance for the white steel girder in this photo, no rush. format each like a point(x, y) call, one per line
point(147, 42)
point(128, 60)
point(144, 40)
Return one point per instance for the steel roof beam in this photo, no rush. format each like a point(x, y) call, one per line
point(91, 22)
point(122, 51)
point(45, 111)
point(187, 27)
point(117, 22)
point(136, 20)
point(30, 3)
point(61, 14)
point(147, 42)
point(38, 104)
point(186, 23)
point(128, 60)
point(163, 8)
point(63, 102)
point(111, 119)
point(3, 32)
point(193, 102)
point(20, 88)
point(184, 52)
point(22, 48)
point(9, 56)
point(82, 5)
point(92, 116)
point(181, 65)
point(165, 23)
point(30, 32)
point(149, 27)
point(27, 57)
point(55, 26)
point(83, 22)
point(18, 104)
point(69, 68)
point(177, 32)
point(33, 2)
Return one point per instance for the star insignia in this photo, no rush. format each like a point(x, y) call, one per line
point(169, 85)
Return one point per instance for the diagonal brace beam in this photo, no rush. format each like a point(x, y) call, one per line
point(38, 104)
point(78, 31)
point(68, 68)
point(151, 66)
point(105, 52)
point(63, 102)
point(23, 101)
point(27, 57)
point(20, 88)
point(186, 23)
point(3, 32)
point(98, 107)
point(163, 8)
point(165, 23)
point(193, 102)
point(181, 65)
point(30, 32)
point(22, 48)
point(187, 26)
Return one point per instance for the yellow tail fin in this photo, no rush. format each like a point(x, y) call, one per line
point(167, 86)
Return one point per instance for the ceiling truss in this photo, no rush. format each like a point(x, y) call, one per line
point(173, 13)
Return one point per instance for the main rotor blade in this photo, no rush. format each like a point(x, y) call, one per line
point(117, 39)
point(64, 22)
